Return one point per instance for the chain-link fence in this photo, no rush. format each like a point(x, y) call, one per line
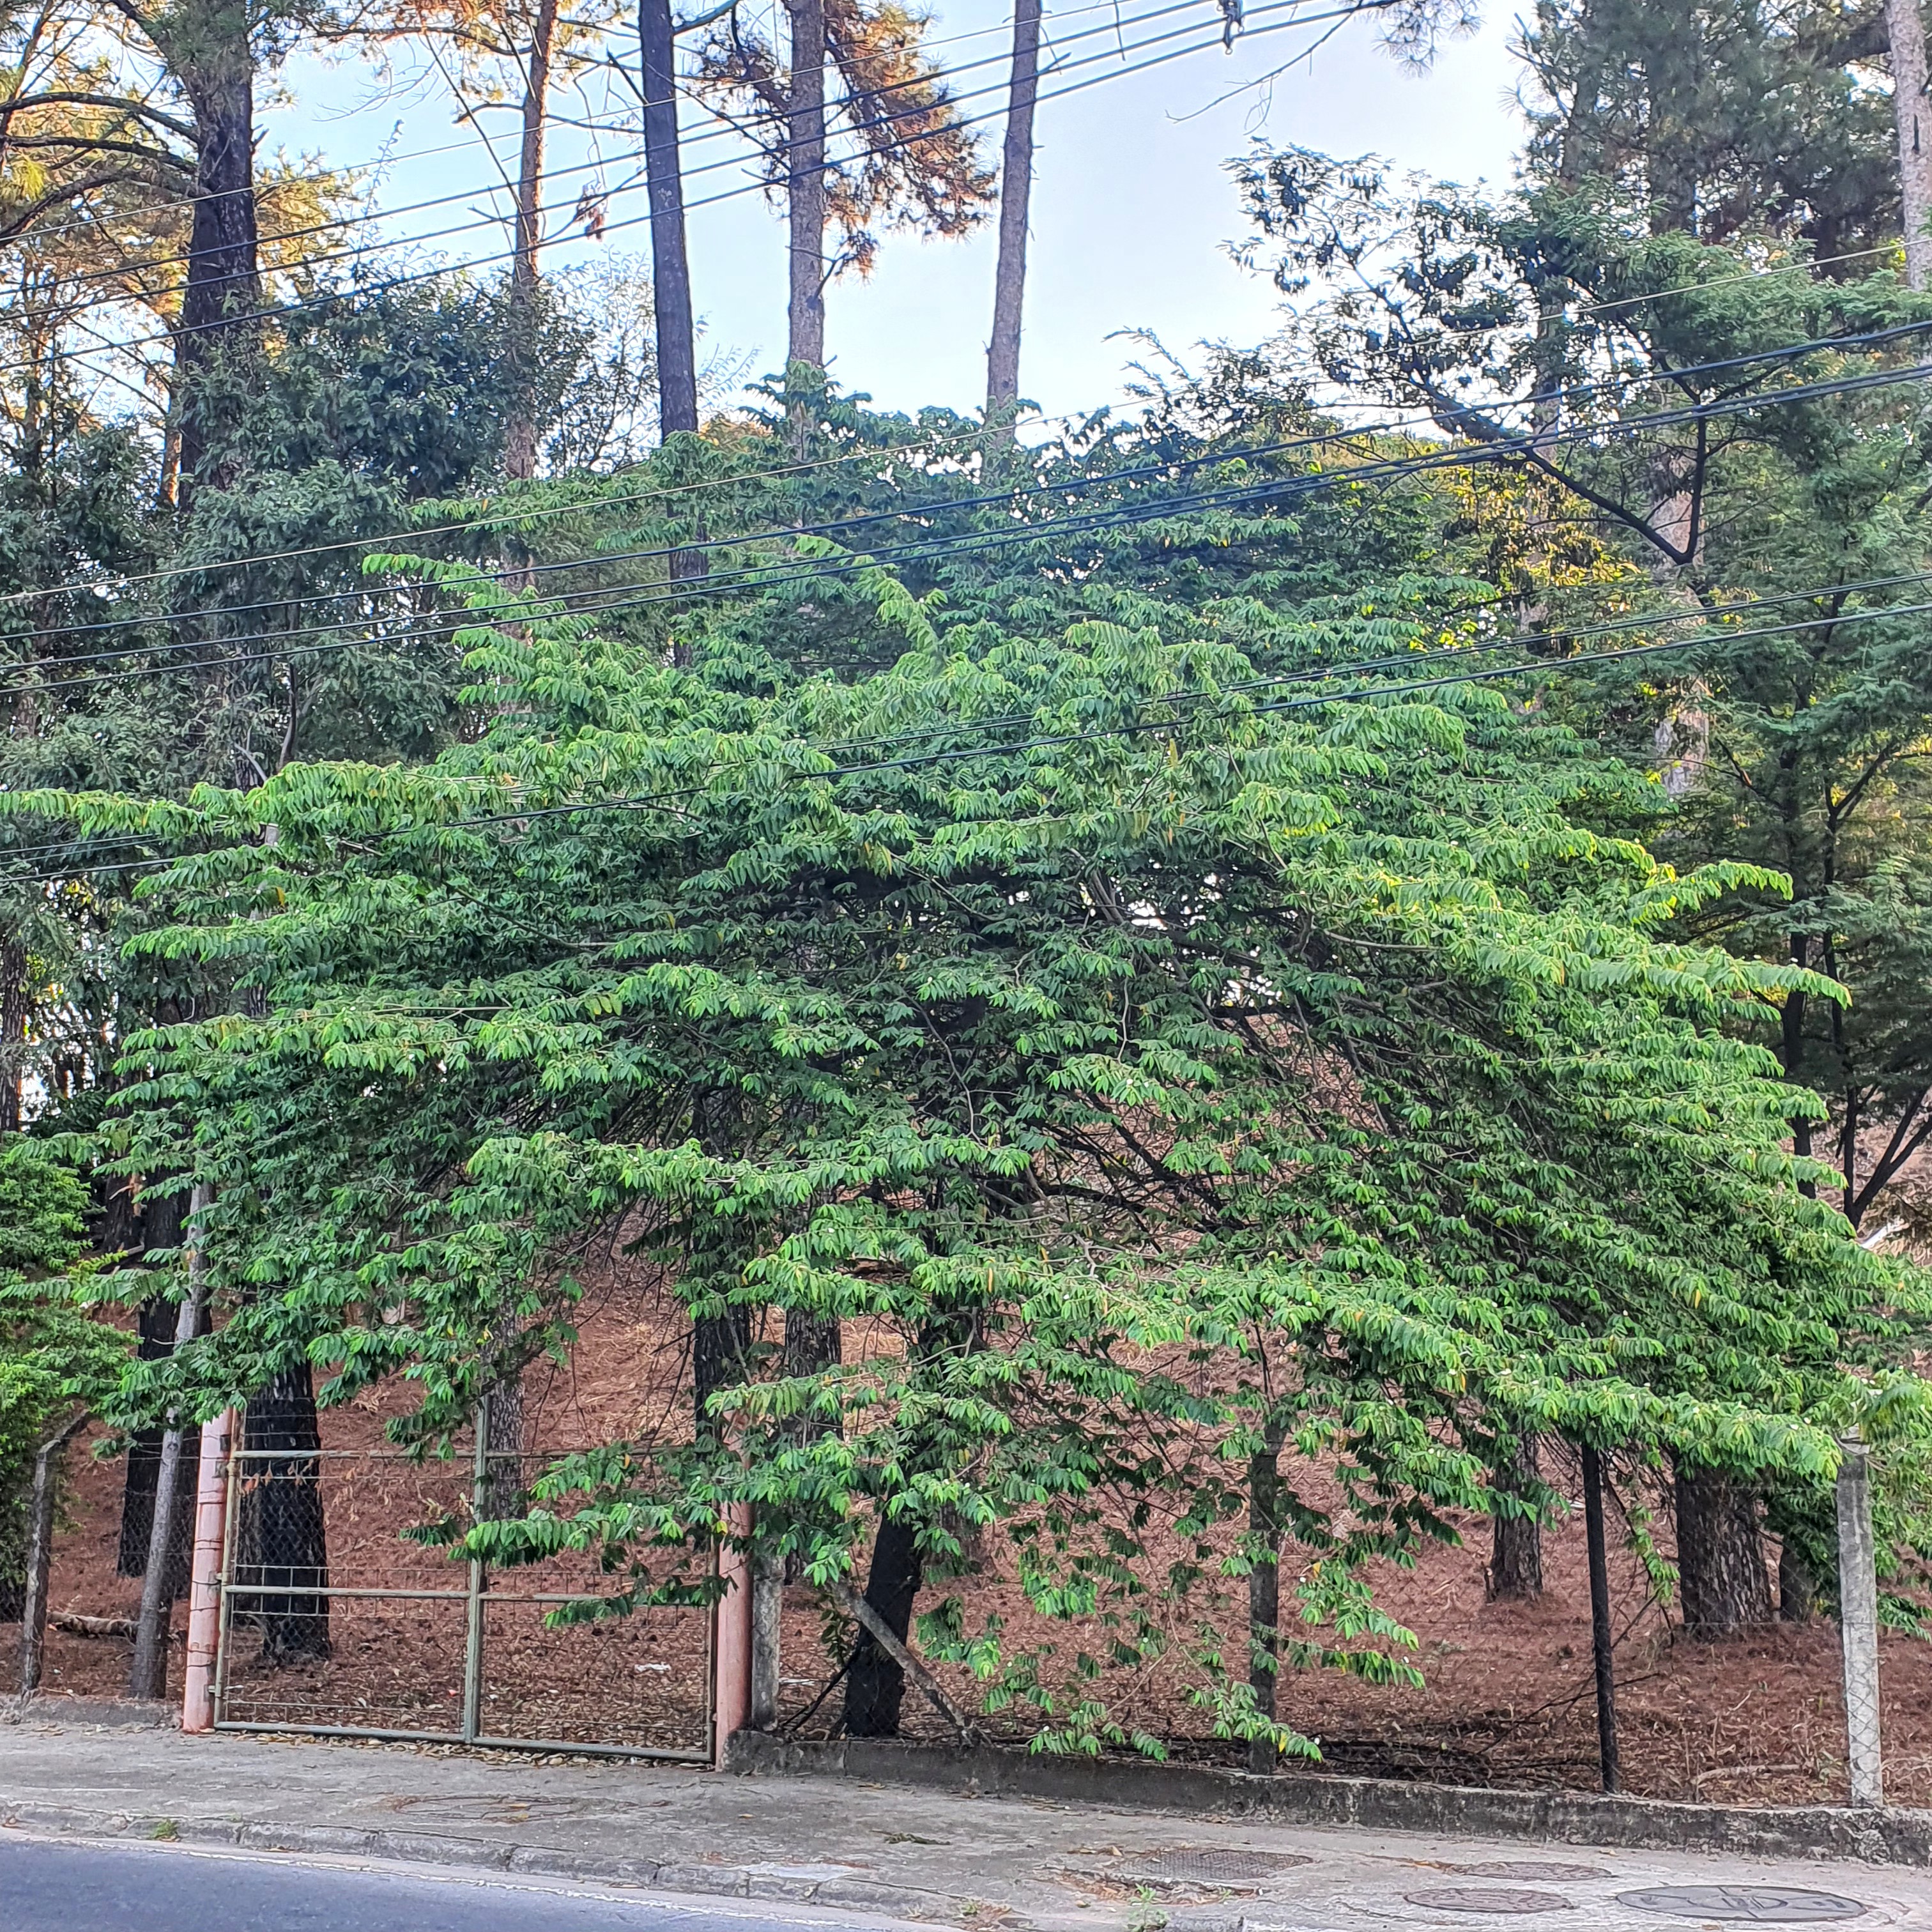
point(343, 1612)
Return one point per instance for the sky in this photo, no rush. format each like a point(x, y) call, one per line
point(1132, 206)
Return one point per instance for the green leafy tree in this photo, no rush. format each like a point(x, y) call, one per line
point(1557, 339)
point(57, 1361)
point(1720, 117)
point(1178, 1079)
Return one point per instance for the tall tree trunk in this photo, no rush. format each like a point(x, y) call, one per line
point(1515, 1543)
point(148, 1677)
point(1671, 88)
point(283, 1532)
point(721, 1338)
point(1003, 353)
point(805, 189)
point(1720, 1566)
point(875, 1683)
point(812, 1343)
point(1791, 1054)
point(219, 328)
point(1905, 27)
point(13, 1029)
point(158, 1222)
point(1264, 1591)
point(520, 436)
point(671, 265)
point(719, 1343)
point(1797, 1587)
point(505, 1446)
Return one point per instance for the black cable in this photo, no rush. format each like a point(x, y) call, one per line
point(1142, 728)
point(1451, 456)
point(283, 309)
point(1421, 418)
point(1137, 728)
point(1000, 58)
point(622, 123)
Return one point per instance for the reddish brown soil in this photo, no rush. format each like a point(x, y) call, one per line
point(1507, 1698)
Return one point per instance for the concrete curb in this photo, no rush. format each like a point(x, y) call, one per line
point(42, 1708)
point(802, 1885)
point(1886, 1834)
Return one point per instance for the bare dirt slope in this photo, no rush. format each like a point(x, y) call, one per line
point(1507, 1698)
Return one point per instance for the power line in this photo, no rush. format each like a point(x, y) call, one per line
point(509, 518)
point(729, 161)
point(1139, 727)
point(27, 236)
point(520, 518)
point(269, 314)
point(1144, 727)
point(1312, 674)
point(761, 578)
point(758, 579)
point(1716, 622)
point(120, 272)
point(624, 123)
point(1449, 457)
point(1805, 267)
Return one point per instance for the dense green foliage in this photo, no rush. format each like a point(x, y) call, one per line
point(1058, 918)
point(56, 1361)
point(1148, 1067)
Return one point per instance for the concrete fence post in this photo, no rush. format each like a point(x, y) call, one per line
point(767, 1616)
point(1858, 1622)
point(204, 1587)
point(731, 1654)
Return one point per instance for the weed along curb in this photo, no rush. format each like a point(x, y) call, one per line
point(1883, 1834)
point(798, 1884)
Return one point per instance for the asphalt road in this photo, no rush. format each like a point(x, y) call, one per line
point(52, 1886)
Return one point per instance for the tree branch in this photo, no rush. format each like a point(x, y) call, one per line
point(19, 222)
point(1899, 1150)
point(118, 103)
point(880, 1631)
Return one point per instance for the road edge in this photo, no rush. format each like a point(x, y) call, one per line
point(765, 1880)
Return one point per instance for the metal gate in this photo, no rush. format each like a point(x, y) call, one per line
point(336, 1621)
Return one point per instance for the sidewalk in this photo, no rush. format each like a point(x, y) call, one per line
point(870, 1850)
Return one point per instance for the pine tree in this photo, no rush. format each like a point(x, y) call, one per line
point(886, 147)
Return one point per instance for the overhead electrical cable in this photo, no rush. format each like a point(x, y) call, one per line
point(1547, 666)
point(462, 265)
point(120, 272)
point(625, 123)
point(518, 518)
point(769, 576)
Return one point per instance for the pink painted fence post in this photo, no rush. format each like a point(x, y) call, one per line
point(731, 1698)
point(204, 1597)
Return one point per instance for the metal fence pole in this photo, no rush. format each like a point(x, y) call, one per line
point(1602, 1637)
point(1858, 1622)
point(242, 1587)
point(472, 1632)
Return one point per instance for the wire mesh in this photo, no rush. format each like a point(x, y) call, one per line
point(639, 1680)
point(345, 1607)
